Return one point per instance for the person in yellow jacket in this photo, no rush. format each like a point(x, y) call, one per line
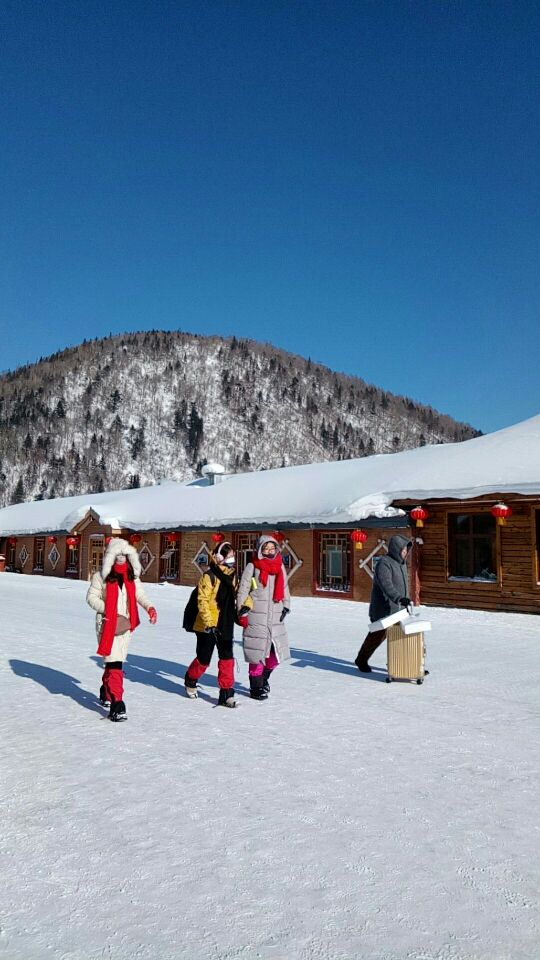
point(214, 624)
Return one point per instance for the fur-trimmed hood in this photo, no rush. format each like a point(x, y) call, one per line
point(266, 538)
point(118, 546)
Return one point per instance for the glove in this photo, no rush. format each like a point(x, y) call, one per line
point(152, 613)
point(284, 614)
point(243, 622)
point(213, 632)
point(405, 602)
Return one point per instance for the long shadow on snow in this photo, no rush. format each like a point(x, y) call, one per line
point(155, 672)
point(308, 658)
point(57, 683)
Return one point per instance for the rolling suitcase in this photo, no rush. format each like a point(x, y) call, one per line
point(406, 651)
point(404, 645)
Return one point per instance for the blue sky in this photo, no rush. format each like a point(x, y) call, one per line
point(353, 181)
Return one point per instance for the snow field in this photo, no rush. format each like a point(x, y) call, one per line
point(343, 819)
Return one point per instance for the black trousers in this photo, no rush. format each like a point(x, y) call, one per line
point(370, 645)
point(206, 645)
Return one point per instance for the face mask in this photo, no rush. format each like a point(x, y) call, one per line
point(120, 560)
point(230, 561)
point(270, 554)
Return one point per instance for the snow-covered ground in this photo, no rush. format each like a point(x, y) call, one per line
point(343, 819)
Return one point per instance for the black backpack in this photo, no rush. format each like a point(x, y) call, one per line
point(192, 606)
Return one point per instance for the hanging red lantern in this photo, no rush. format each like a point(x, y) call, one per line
point(135, 538)
point(501, 511)
point(52, 539)
point(278, 536)
point(419, 514)
point(173, 537)
point(72, 541)
point(358, 537)
point(12, 541)
point(217, 537)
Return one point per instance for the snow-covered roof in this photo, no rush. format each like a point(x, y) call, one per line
point(343, 492)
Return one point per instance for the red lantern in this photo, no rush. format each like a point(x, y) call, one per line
point(173, 537)
point(358, 537)
point(72, 541)
point(218, 537)
point(419, 514)
point(278, 536)
point(108, 540)
point(135, 538)
point(501, 511)
point(51, 539)
point(12, 541)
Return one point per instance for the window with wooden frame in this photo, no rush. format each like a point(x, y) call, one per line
point(169, 557)
point(244, 545)
point(11, 554)
point(472, 547)
point(334, 562)
point(39, 554)
point(72, 559)
point(537, 544)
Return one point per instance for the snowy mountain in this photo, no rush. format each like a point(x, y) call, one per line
point(131, 409)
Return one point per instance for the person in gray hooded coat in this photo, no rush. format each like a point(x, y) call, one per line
point(263, 601)
point(389, 593)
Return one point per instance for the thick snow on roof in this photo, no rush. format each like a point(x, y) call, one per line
point(319, 493)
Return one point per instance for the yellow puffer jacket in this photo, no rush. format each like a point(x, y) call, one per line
point(207, 592)
point(208, 614)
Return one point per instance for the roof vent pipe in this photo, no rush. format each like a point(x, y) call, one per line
point(214, 472)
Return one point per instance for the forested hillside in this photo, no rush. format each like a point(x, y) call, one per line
point(132, 409)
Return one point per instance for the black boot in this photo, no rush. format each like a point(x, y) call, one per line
point(118, 711)
point(103, 698)
point(362, 665)
point(266, 678)
point(226, 698)
point(256, 688)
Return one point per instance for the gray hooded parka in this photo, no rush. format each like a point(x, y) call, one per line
point(264, 619)
point(390, 580)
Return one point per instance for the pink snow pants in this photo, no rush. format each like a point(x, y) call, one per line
point(271, 662)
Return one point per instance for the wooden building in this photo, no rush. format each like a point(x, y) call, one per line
point(464, 554)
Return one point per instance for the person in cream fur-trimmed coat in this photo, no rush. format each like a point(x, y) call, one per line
point(115, 593)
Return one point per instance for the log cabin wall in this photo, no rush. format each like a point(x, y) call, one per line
point(301, 542)
point(516, 587)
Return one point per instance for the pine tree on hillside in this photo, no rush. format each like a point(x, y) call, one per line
point(18, 494)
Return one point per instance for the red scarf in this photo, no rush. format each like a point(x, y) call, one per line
point(106, 639)
point(271, 566)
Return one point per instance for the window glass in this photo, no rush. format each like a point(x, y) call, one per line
point(472, 550)
point(483, 523)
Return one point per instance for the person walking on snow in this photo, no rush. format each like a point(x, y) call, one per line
point(263, 602)
point(389, 593)
point(214, 624)
point(114, 594)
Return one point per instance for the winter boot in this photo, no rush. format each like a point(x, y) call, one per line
point(118, 711)
point(226, 698)
point(266, 680)
point(104, 697)
point(191, 687)
point(256, 688)
point(362, 665)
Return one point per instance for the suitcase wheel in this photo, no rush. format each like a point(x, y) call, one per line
point(389, 679)
point(420, 681)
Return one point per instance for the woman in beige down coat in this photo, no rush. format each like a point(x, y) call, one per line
point(115, 594)
point(263, 602)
